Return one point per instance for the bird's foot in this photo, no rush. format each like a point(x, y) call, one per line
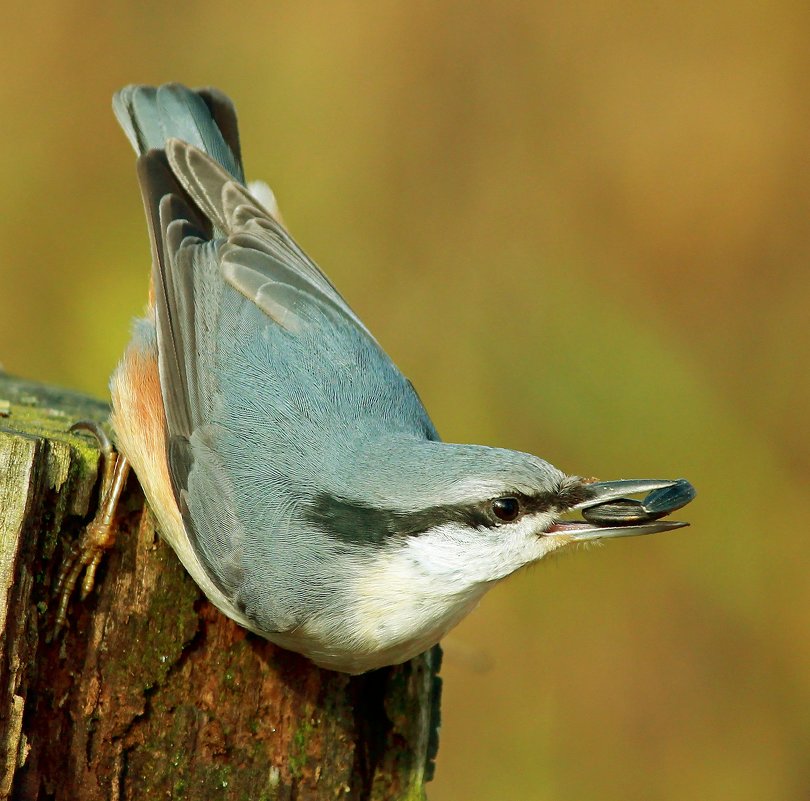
point(99, 535)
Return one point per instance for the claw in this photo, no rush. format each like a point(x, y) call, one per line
point(99, 535)
point(92, 427)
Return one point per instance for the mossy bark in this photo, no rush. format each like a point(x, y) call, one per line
point(151, 692)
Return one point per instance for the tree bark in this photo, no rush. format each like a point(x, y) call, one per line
point(151, 692)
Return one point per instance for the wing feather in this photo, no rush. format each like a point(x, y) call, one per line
point(255, 238)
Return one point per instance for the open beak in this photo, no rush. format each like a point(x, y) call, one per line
point(608, 512)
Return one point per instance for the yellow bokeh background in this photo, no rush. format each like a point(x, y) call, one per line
point(583, 230)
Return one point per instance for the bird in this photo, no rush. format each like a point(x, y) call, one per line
point(290, 465)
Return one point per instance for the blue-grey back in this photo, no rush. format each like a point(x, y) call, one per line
point(292, 416)
point(274, 391)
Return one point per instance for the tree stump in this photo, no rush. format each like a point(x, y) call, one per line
point(152, 692)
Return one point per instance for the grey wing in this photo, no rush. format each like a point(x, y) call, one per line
point(261, 260)
point(262, 366)
point(258, 259)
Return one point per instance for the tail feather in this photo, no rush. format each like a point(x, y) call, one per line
point(205, 119)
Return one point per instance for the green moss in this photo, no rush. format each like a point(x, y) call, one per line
point(298, 752)
point(220, 777)
point(162, 633)
point(43, 412)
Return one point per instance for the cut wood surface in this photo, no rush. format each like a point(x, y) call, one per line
point(151, 692)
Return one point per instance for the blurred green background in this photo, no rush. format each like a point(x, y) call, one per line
point(583, 230)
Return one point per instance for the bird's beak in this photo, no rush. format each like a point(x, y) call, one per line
point(608, 512)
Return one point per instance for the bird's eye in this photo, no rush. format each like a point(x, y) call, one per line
point(506, 509)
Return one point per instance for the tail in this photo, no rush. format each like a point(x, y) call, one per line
point(205, 118)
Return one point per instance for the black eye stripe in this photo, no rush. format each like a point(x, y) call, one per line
point(357, 522)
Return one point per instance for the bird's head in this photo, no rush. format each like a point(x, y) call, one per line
point(421, 530)
point(468, 514)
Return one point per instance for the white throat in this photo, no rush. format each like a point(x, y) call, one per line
point(420, 587)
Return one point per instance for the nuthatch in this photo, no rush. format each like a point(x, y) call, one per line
point(289, 463)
